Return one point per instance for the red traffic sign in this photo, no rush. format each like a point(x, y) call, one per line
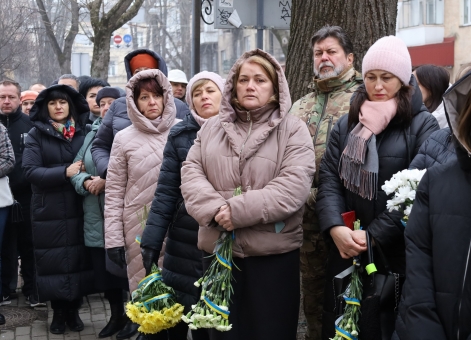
point(117, 39)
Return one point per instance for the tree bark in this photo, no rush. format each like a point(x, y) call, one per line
point(63, 54)
point(104, 24)
point(365, 21)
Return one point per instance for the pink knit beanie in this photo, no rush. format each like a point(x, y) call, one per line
point(214, 77)
point(389, 54)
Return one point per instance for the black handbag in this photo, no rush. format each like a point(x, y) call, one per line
point(381, 294)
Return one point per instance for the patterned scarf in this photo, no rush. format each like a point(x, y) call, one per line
point(359, 163)
point(67, 130)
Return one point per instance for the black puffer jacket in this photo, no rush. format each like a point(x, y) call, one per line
point(182, 261)
point(117, 119)
point(396, 148)
point(63, 265)
point(439, 148)
point(436, 298)
point(18, 123)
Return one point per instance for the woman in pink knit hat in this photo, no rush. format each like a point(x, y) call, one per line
point(382, 133)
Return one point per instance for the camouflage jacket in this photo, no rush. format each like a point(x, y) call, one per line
point(320, 109)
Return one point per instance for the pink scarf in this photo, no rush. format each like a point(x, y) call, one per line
point(359, 162)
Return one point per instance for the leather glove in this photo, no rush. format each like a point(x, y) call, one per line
point(149, 256)
point(117, 255)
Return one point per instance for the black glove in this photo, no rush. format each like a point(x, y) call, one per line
point(149, 256)
point(116, 255)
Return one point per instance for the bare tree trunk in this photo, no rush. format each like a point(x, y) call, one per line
point(185, 20)
point(104, 24)
point(64, 53)
point(365, 21)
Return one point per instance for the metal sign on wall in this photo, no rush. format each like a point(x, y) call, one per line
point(276, 14)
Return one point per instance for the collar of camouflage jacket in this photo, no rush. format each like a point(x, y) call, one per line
point(336, 83)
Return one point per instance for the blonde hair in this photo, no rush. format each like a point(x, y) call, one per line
point(198, 84)
point(464, 124)
point(269, 70)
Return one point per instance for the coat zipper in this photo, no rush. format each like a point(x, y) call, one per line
point(462, 288)
point(320, 120)
point(248, 135)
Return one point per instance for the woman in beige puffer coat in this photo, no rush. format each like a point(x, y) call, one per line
point(133, 171)
point(255, 144)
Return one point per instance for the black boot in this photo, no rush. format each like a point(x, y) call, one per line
point(117, 321)
point(129, 330)
point(58, 322)
point(2, 319)
point(73, 320)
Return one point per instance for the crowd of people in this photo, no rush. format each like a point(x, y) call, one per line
point(88, 165)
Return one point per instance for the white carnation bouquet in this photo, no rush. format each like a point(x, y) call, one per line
point(404, 185)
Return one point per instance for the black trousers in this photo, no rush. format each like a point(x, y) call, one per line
point(66, 305)
point(18, 239)
point(265, 303)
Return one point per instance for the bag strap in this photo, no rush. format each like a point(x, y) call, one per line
point(371, 267)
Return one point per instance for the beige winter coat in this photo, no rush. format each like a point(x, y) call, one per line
point(274, 165)
point(133, 171)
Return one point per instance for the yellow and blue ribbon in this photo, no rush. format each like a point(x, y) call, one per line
point(214, 307)
point(155, 298)
point(352, 301)
point(344, 334)
point(223, 261)
point(149, 279)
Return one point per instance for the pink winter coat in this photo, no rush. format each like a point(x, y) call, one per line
point(133, 171)
point(267, 152)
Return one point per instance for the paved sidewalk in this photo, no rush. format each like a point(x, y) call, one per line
point(94, 313)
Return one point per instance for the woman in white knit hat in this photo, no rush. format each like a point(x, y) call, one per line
point(382, 133)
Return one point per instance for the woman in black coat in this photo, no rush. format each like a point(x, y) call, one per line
point(436, 300)
point(63, 267)
point(182, 262)
point(389, 106)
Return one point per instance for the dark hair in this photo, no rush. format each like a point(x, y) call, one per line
point(148, 84)
point(404, 107)
point(7, 82)
point(334, 32)
point(436, 80)
point(43, 114)
point(464, 123)
point(70, 76)
point(89, 82)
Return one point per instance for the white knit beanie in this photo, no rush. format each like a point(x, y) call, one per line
point(389, 54)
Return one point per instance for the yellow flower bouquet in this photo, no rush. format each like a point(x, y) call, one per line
point(153, 306)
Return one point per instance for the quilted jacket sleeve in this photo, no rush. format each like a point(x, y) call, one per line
point(115, 192)
point(101, 146)
point(35, 171)
point(165, 199)
point(286, 193)
point(330, 196)
point(78, 180)
point(421, 319)
point(202, 201)
point(387, 228)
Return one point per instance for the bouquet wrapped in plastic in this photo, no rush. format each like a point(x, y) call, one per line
point(404, 185)
point(346, 326)
point(153, 306)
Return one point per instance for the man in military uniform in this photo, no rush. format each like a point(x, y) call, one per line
point(334, 82)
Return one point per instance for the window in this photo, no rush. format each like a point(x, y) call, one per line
point(466, 12)
point(112, 68)
point(420, 12)
point(140, 39)
point(247, 43)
